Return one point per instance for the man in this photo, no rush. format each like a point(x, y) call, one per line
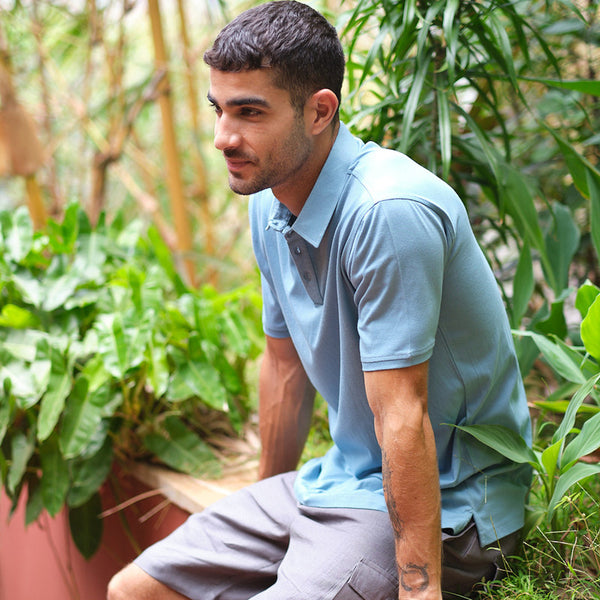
point(377, 295)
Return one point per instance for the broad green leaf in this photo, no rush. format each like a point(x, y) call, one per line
point(576, 473)
point(585, 86)
point(53, 401)
point(31, 289)
point(586, 295)
point(569, 419)
point(23, 385)
point(89, 474)
point(561, 244)
point(181, 449)
point(586, 441)
point(593, 182)
point(196, 378)
point(590, 329)
point(82, 417)
point(121, 347)
point(560, 406)
point(35, 502)
point(20, 237)
point(550, 458)
point(519, 202)
point(580, 168)
point(555, 323)
point(16, 317)
point(523, 285)
point(59, 290)
point(6, 405)
point(21, 450)
point(557, 358)
point(158, 367)
point(504, 441)
point(87, 526)
point(55, 476)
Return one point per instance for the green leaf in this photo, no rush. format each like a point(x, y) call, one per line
point(585, 442)
point(550, 458)
point(561, 244)
point(580, 168)
point(16, 317)
point(55, 476)
point(82, 417)
point(523, 285)
point(585, 86)
point(59, 290)
point(20, 236)
point(578, 472)
point(6, 406)
point(35, 502)
point(89, 474)
point(181, 449)
point(22, 448)
point(590, 329)
point(586, 295)
point(519, 202)
point(53, 401)
point(504, 441)
point(569, 419)
point(30, 288)
point(122, 348)
point(557, 358)
point(593, 183)
point(87, 526)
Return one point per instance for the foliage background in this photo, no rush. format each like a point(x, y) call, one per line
point(499, 98)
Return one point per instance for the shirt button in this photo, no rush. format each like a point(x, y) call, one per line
point(306, 276)
point(297, 250)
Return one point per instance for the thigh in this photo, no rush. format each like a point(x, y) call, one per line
point(232, 549)
point(337, 554)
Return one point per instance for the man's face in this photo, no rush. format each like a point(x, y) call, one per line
point(262, 137)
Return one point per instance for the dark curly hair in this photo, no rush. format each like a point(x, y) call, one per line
point(294, 40)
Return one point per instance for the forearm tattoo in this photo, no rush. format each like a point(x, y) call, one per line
point(414, 578)
point(397, 522)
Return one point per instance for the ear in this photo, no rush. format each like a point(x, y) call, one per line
point(320, 110)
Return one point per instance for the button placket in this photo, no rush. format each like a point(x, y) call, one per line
point(300, 256)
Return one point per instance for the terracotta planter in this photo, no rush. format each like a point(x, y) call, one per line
point(41, 561)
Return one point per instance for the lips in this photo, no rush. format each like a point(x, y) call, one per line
point(235, 164)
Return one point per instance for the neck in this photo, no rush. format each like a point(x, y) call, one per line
point(294, 194)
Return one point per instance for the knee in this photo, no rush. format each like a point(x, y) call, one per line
point(122, 586)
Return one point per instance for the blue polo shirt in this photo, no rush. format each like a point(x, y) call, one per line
point(381, 270)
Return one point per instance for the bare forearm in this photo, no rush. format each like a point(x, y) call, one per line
point(398, 398)
point(413, 499)
point(285, 408)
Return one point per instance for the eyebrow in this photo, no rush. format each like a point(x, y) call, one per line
point(241, 101)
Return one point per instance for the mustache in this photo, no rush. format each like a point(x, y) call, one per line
point(236, 154)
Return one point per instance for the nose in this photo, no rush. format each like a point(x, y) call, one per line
point(226, 136)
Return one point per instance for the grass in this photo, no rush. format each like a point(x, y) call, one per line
point(562, 564)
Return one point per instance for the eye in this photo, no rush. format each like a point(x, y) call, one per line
point(216, 108)
point(249, 111)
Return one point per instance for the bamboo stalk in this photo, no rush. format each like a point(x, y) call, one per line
point(174, 182)
point(200, 183)
point(37, 209)
point(20, 148)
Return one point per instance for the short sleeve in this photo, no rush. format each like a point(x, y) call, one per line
point(272, 316)
point(396, 268)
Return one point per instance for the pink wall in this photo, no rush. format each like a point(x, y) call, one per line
point(30, 569)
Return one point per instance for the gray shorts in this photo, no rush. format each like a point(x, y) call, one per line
point(260, 544)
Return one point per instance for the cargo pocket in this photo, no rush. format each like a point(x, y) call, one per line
point(368, 581)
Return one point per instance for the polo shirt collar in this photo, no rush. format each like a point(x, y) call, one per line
point(314, 218)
